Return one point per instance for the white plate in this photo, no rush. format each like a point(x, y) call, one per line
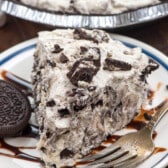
point(19, 60)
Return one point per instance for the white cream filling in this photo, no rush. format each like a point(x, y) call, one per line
point(90, 6)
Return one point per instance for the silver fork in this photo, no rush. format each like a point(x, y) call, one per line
point(131, 149)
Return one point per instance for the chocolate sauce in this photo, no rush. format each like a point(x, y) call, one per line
point(17, 152)
point(136, 125)
point(158, 150)
point(154, 135)
point(112, 139)
point(30, 132)
point(151, 94)
point(24, 85)
point(96, 150)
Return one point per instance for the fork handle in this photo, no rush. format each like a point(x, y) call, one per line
point(157, 117)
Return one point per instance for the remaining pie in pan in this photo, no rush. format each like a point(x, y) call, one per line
point(86, 86)
point(89, 6)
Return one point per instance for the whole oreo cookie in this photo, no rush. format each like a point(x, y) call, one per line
point(14, 109)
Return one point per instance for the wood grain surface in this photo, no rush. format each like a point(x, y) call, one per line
point(17, 30)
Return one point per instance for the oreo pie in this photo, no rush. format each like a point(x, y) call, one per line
point(95, 88)
point(89, 6)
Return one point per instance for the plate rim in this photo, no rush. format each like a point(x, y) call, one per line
point(115, 21)
point(28, 44)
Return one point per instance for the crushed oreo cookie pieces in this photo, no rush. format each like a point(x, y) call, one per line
point(83, 50)
point(101, 36)
point(51, 63)
point(148, 69)
point(57, 49)
point(63, 112)
point(93, 54)
point(43, 149)
point(66, 153)
point(77, 108)
point(96, 36)
point(53, 166)
point(82, 70)
point(48, 134)
point(63, 58)
point(81, 34)
point(51, 103)
point(80, 99)
point(97, 104)
point(167, 87)
point(91, 88)
point(116, 65)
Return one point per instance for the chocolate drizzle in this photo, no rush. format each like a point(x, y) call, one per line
point(29, 132)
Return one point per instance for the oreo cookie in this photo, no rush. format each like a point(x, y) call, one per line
point(15, 110)
point(116, 65)
point(82, 70)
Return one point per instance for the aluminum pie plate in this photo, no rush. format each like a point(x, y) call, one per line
point(116, 21)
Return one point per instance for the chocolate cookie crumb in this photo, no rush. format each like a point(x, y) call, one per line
point(116, 65)
point(57, 49)
point(63, 112)
point(66, 153)
point(51, 63)
point(81, 34)
point(77, 108)
point(83, 50)
point(53, 166)
point(63, 58)
point(48, 134)
point(167, 87)
point(50, 103)
point(82, 70)
point(43, 149)
point(148, 69)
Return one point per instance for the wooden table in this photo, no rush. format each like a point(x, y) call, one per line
point(17, 30)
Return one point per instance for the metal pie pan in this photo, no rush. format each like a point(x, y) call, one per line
point(115, 21)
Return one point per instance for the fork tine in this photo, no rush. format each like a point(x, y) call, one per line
point(124, 158)
point(129, 163)
point(110, 157)
point(101, 154)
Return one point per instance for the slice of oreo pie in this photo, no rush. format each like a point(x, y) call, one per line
point(95, 88)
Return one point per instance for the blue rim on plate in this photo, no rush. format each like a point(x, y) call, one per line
point(148, 53)
point(151, 55)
